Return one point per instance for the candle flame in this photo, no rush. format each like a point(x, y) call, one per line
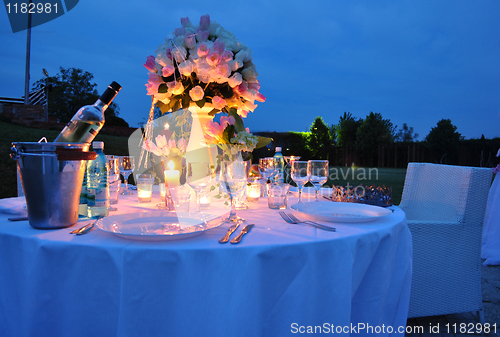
point(171, 165)
point(166, 126)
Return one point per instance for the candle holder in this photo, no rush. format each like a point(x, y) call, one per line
point(169, 202)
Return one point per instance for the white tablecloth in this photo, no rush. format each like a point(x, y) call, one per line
point(281, 280)
point(491, 229)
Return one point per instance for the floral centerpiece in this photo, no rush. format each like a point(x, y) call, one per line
point(207, 67)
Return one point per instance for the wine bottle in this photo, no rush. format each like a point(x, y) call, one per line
point(89, 119)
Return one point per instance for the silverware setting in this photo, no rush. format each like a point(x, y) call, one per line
point(244, 231)
point(230, 231)
point(85, 229)
point(290, 218)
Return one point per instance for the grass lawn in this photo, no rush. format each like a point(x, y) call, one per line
point(389, 177)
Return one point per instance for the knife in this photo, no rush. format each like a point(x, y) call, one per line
point(245, 230)
point(228, 234)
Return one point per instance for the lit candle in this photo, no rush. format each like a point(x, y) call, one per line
point(172, 177)
point(253, 192)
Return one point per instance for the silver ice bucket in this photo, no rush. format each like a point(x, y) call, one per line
point(52, 177)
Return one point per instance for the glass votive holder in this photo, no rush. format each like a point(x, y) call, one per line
point(204, 200)
point(144, 187)
point(181, 196)
point(162, 190)
point(254, 190)
point(277, 195)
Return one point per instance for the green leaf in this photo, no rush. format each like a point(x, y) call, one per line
point(185, 101)
point(238, 121)
point(213, 112)
point(162, 88)
point(201, 103)
point(176, 105)
point(163, 107)
point(263, 141)
point(228, 133)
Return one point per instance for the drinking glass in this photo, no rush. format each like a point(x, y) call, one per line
point(300, 175)
point(198, 177)
point(113, 181)
point(127, 166)
point(288, 166)
point(318, 174)
point(233, 178)
point(267, 167)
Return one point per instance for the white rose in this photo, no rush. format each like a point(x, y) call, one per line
point(241, 55)
point(176, 88)
point(186, 68)
point(179, 53)
point(235, 80)
point(249, 73)
point(213, 27)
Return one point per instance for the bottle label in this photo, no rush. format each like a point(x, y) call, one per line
point(97, 197)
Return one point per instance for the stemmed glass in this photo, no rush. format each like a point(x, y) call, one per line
point(318, 174)
point(233, 177)
point(198, 177)
point(127, 166)
point(267, 167)
point(300, 175)
point(289, 160)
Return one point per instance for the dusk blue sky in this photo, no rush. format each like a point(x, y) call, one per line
point(414, 62)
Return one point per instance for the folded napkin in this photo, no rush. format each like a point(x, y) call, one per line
point(16, 205)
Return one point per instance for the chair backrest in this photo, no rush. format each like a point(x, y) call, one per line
point(445, 192)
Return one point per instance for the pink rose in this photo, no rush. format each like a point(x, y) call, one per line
point(223, 70)
point(152, 89)
point(155, 79)
point(225, 121)
point(202, 35)
point(202, 50)
point(167, 71)
point(219, 46)
point(190, 41)
point(213, 59)
point(218, 102)
point(180, 31)
point(196, 93)
point(241, 88)
point(185, 22)
point(227, 55)
point(205, 22)
point(151, 64)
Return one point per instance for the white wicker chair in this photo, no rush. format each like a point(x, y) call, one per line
point(445, 207)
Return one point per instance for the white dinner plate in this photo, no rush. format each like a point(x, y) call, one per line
point(340, 211)
point(158, 225)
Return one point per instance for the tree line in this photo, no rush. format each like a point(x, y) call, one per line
point(366, 136)
point(69, 90)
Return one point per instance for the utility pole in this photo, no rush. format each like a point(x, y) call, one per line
point(28, 51)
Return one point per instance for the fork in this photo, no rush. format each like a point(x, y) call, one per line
point(290, 218)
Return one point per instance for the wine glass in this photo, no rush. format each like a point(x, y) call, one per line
point(300, 175)
point(127, 166)
point(267, 167)
point(318, 174)
point(288, 161)
point(233, 178)
point(198, 177)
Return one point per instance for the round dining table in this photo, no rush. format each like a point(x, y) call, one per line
point(281, 280)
